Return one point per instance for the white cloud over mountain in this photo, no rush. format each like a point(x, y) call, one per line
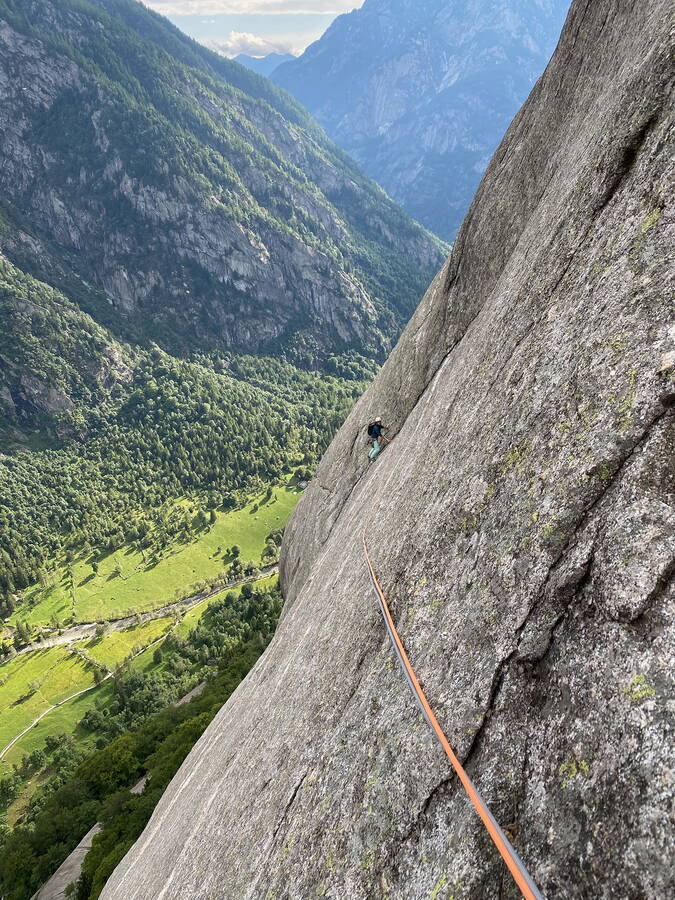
point(252, 44)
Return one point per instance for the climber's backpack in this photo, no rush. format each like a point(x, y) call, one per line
point(371, 430)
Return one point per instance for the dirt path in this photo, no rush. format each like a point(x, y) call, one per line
point(87, 630)
point(71, 697)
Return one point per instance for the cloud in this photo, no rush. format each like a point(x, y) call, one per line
point(242, 42)
point(229, 7)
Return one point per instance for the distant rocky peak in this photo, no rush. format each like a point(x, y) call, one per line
point(421, 93)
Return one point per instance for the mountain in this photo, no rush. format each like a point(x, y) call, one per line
point(164, 215)
point(179, 198)
point(99, 436)
point(420, 92)
point(263, 65)
point(521, 523)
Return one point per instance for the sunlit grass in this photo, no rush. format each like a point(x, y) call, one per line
point(32, 683)
point(140, 586)
point(115, 647)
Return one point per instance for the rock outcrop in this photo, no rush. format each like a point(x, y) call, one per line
point(420, 92)
point(522, 526)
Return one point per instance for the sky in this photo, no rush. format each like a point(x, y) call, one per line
point(256, 27)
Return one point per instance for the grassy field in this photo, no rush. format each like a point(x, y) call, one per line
point(18, 808)
point(113, 648)
point(60, 673)
point(62, 720)
point(35, 681)
point(126, 584)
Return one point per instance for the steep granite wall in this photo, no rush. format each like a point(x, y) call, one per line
point(523, 526)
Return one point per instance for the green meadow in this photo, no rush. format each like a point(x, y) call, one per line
point(62, 720)
point(113, 648)
point(60, 673)
point(32, 682)
point(122, 584)
point(126, 583)
point(57, 672)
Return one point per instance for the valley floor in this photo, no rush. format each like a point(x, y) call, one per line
point(130, 582)
point(48, 686)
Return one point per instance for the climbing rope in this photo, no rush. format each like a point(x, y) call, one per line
point(516, 866)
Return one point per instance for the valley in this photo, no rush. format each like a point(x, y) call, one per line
point(51, 689)
point(81, 639)
point(92, 589)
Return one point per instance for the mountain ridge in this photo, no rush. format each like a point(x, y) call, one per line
point(421, 93)
point(263, 65)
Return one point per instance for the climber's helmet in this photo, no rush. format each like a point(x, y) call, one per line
point(378, 420)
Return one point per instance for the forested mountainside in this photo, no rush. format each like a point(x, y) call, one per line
point(109, 432)
point(178, 197)
point(163, 210)
point(420, 92)
point(521, 523)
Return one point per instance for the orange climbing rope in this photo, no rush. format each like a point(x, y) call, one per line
point(516, 866)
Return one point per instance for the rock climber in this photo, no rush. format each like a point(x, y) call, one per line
point(376, 437)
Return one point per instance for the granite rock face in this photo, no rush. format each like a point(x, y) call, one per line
point(522, 526)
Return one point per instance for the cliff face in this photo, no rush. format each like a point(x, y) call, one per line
point(420, 92)
point(184, 199)
point(522, 524)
